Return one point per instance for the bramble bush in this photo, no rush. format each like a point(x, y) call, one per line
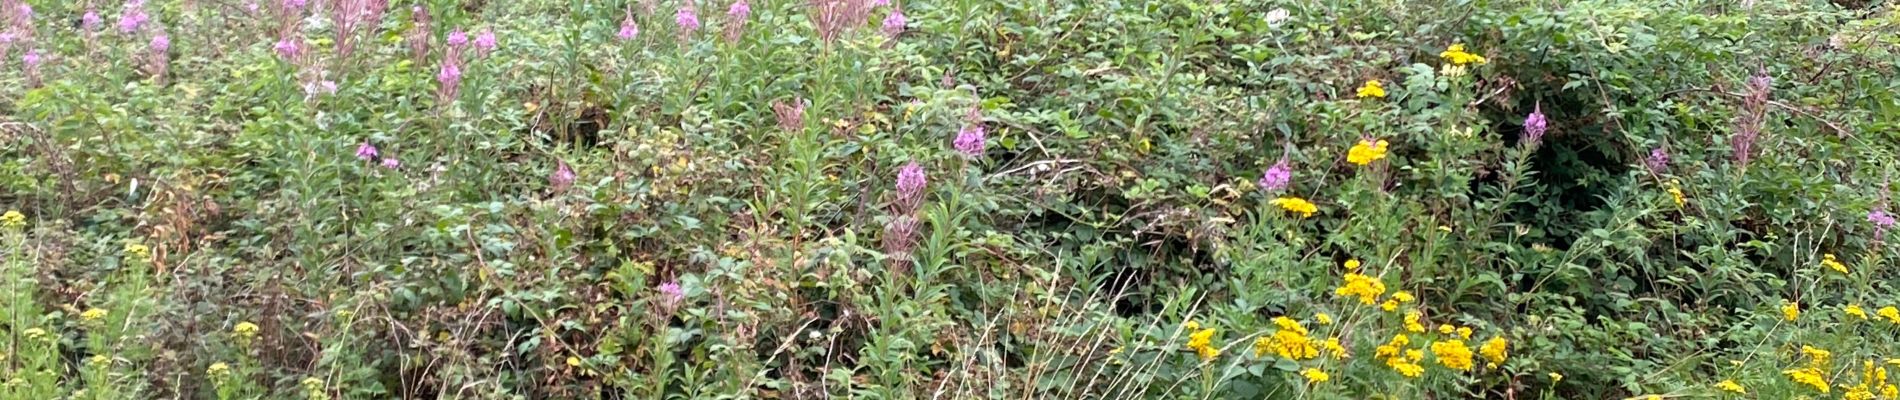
point(1509, 199)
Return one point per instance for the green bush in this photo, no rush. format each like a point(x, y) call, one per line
point(948, 199)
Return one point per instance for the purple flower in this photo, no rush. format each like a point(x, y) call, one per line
point(451, 74)
point(628, 30)
point(8, 37)
point(1880, 218)
point(132, 19)
point(161, 43)
point(894, 23)
point(366, 151)
point(671, 295)
point(486, 41)
point(312, 89)
point(91, 21)
point(563, 176)
point(392, 163)
point(295, 4)
point(1277, 177)
point(251, 6)
point(910, 187)
point(1534, 126)
point(1658, 160)
point(457, 38)
point(687, 20)
point(739, 10)
point(288, 48)
point(31, 58)
point(880, 3)
point(970, 140)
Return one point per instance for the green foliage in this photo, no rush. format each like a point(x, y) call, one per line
point(721, 212)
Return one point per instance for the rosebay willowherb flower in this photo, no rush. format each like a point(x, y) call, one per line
point(1277, 177)
point(687, 19)
point(910, 188)
point(290, 48)
point(1534, 127)
point(563, 176)
point(352, 16)
point(366, 151)
point(628, 29)
point(419, 35)
point(486, 42)
point(1748, 124)
point(970, 140)
point(790, 114)
point(833, 17)
point(391, 163)
point(900, 235)
point(91, 22)
point(457, 38)
point(133, 18)
point(894, 23)
point(736, 17)
point(1882, 221)
point(450, 79)
point(671, 296)
point(1658, 160)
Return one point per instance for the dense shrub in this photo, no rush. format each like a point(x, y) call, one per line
point(947, 199)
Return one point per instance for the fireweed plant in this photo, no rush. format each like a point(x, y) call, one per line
point(370, 199)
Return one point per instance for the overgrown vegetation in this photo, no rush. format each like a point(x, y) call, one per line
point(1509, 199)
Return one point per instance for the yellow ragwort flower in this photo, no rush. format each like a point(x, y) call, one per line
point(1890, 313)
point(1855, 311)
point(1366, 151)
point(1464, 332)
point(1447, 329)
point(1412, 323)
point(1323, 318)
point(1335, 350)
point(1456, 55)
point(1202, 342)
point(1289, 341)
point(1372, 90)
point(13, 219)
point(92, 315)
point(138, 251)
point(1403, 296)
point(1731, 387)
point(1495, 350)
point(1827, 260)
point(1813, 377)
point(1452, 354)
point(1296, 205)
point(1352, 264)
point(1817, 357)
point(1790, 310)
point(1675, 193)
point(1556, 377)
point(1390, 305)
point(218, 369)
point(1366, 288)
point(1314, 375)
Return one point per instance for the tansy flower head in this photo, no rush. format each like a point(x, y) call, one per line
point(1827, 260)
point(1372, 90)
point(1854, 310)
point(1412, 323)
point(1403, 296)
point(137, 251)
point(1453, 354)
point(1464, 332)
point(1366, 151)
point(13, 219)
point(1323, 318)
point(1202, 342)
point(1889, 313)
point(1729, 385)
point(1495, 350)
point(218, 369)
point(1314, 375)
point(1790, 310)
point(1814, 378)
point(1335, 349)
point(1366, 288)
point(1390, 305)
point(1352, 264)
point(1456, 55)
point(1296, 205)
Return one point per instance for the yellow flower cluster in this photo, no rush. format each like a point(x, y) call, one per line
point(1366, 151)
point(1335, 350)
point(1323, 318)
point(13, 219)
point(1855, 311)
point(1813, 377)
point(1366, 288)
point(1871, 377)
point(1400, 297)
point(1372, 90)
point(245, 332)
point(1790, 310)
point(1452, 354)
point(1202, 341)
point(1731, 387)
point(138, 251)
point(1827, 260)
point(1456, 55)
point(92, 315)
point(1817, 357)
point(1675, 193)
point(1290, 341)
point(1314, 375)
point(1495, 351)
point(218, 370)
point(1412, 323)
point(1890, 313)
point(1296, 205)
point(1400, 359)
